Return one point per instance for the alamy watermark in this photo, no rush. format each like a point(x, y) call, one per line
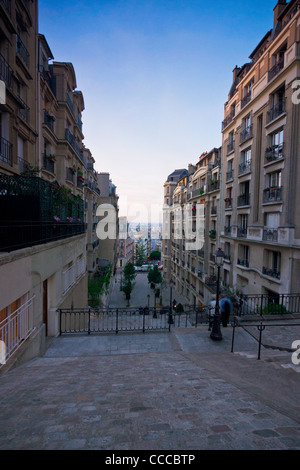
point(296, 354)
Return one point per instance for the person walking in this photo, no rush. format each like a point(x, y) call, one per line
point(226, 309)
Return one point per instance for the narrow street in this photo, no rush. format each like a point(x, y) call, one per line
point(139, 295)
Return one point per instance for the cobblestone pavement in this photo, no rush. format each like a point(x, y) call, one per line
point(157, 391)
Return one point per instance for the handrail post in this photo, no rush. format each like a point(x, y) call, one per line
point(117, 321)
point(89, 324)
point(60, 313)
point(261, 328)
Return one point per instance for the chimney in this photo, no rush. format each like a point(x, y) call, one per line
point(235, 72)
point(281, 4)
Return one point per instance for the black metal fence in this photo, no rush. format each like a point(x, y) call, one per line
point(267, 304)
point(115, 320)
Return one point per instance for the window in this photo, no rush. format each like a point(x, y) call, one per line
point(246, 132)
point(245, 165)
point(277, 104)
point(272, 263)
point(243, 259)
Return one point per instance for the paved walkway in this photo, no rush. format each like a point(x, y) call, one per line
point(157, 391)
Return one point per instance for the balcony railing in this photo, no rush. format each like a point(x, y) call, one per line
point(16, 235)
point(48, 163)
point(270, 235)
point(70, 175)
point(276, 110)
point(6, 73)
point(242, 232)
point(247, 98)
point(273, 194)
point(245, 167)
point(271, 272)
point(15, 329)
point(74, 144)
point(228, 203)
point(243, 200)
point(213, 186)
point(243, 262)
point(5, 151)
point(276, 69)
point(22, 51)
point(229, 175)
point(228, 120)
point(230, 147)
point(227, 230)
point(246, 133)
point(274, 152)
point(49, 120)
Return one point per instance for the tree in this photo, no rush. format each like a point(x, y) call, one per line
point(129, 272)
point(154, 276)
point(140, 253)
point(155, 255)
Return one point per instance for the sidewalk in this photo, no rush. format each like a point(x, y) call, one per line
point(157, 391)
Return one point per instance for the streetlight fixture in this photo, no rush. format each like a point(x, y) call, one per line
point(216, 334)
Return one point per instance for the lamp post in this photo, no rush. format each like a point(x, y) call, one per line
point(171, 284)
point(216, 334)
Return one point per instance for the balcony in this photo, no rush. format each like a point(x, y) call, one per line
point(246, 133)
point(74, 144)
point(5, 151)
point(70, 175)
point(242, 232)
point(6, 73)
point(213, 186)
point(270, 235)
point(48, 163)
point(22, 51)
point(276, 111)
point(228, 120)
point(271, 272)
point(276, 69)
point(227, 230)
point(274, 153)
point(49, 120)
point(245, 167)
point(243, 262)
point(212, 258)
point(247, 98)
point(273, 195)
point(229, 175)
point(243, 200)
point(228, 203)
point(230, 147)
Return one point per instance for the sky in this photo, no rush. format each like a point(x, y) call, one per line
point(155, 75)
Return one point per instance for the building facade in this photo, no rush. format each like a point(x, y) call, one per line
point(261, 144)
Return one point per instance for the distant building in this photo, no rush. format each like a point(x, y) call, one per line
point(125, 244)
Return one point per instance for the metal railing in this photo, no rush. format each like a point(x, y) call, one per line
point(243, 200)
point(276, 110)
point(276, 69)
point(246, 133)
point(15, 329)
point(268, 304)
point(15, 235)
point(273, 194)
point(5, 151)
point(116, 320)
point(22, 51)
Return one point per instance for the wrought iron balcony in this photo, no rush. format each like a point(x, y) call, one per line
point(229, 175)
point(245, 167)
point(246, 133)
point(49, 120)
point(273, 194)
point(270, 235)
point(6, 73)
point(276, 110)
point(242, 232)
point(276, 69)
point(243, 262)
point(227, 230)
point(230, 147)
point(228, 120)
point(228, 203)
point(48, 163)
point(213, 186)
point(5, 151)
point(22, 51)
point(247, 98)
point(271, 272)
point(274, 152)
point(243, 200)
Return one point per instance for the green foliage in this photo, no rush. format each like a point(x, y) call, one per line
point(155, 255)
point(129, 272)
point(29, 170)
point(99, 285)
point(179, 308)
point(140, 253)
point(154, 276)
point(274, 309)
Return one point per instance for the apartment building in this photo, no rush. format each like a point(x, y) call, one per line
point(108, 221)
point(195, 229)
point(43, 231)
point(261, 143)
point(125, 244)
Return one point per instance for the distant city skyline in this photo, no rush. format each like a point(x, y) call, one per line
point(154, 76)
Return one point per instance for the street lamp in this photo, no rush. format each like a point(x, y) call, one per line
point(216, 334)
point(171, 284)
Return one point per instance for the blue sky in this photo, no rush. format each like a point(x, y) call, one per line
point(155, 75)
